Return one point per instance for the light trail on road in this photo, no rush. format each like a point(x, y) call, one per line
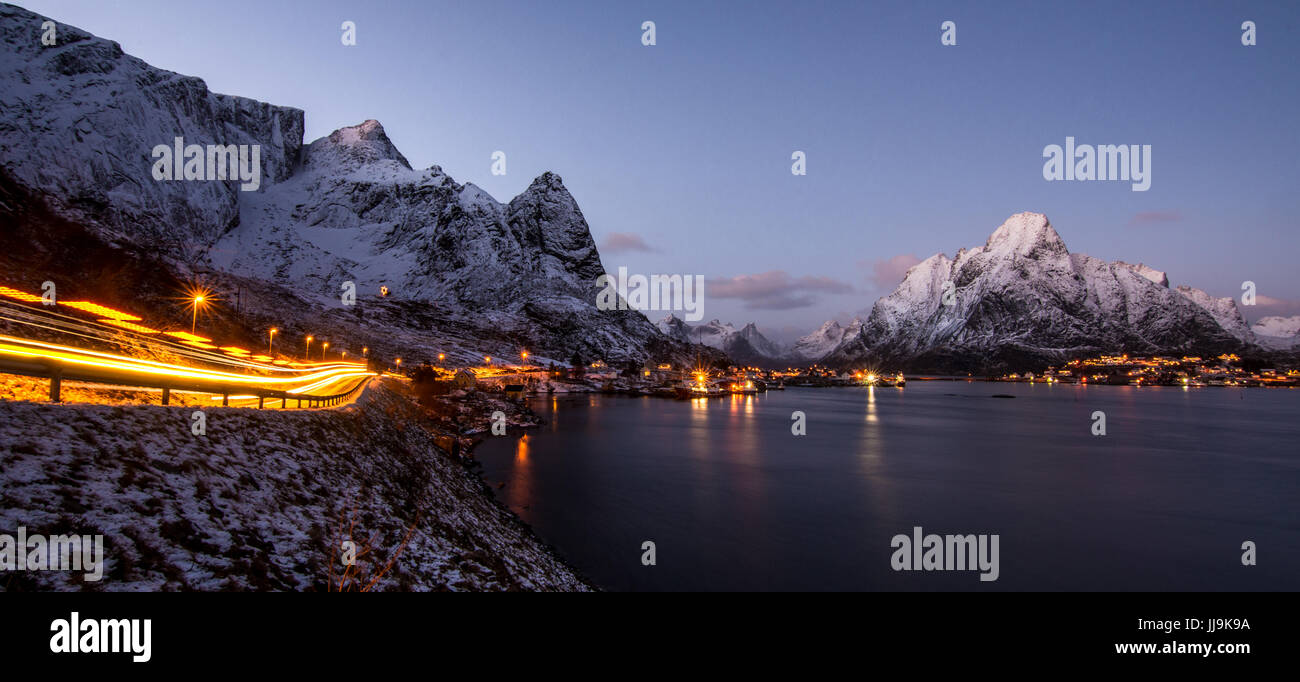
point(211, 371)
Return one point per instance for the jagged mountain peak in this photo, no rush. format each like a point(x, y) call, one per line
point(363, 143)
point(547, 182)
point(1022, 300)
point(1027, 234)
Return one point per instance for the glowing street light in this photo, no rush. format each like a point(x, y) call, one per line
point(195, 303)
point(345, 355)
point(270, 344)
point(442, 356)
point(309, 340)
point(487, 359)
point(399, 364)
point(524, 355)
point(322, 351)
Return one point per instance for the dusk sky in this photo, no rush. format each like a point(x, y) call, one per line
point(679, 153)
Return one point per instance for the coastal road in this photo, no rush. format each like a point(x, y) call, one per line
point(49, 343)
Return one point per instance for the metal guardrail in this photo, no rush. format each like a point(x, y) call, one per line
point(56, 372)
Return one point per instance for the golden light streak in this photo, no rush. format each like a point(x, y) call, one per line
point(186, 336)
point(20, 295)
point(200, 344)
point(234, 350)
point(102, 311)
point(129, 325)
point(41, 350)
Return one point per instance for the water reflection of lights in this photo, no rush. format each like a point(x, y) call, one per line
point(521, 450)
point(699, 410)
point(871, 405)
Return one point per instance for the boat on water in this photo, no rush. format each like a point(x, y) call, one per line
point(696, 389)
point(746, 387)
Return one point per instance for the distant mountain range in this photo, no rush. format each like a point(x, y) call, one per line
point(1022, 299)
point(746, 345)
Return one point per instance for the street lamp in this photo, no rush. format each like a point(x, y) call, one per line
point(309, 340)
point(487, 359)
point(442, 356)
point(271, 344)
point(399, 364)
point(322, 351)
point(524, 355)
point(198, 300)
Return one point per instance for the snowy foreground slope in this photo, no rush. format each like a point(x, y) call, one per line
point(256, 504)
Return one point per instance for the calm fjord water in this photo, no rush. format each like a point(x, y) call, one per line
point(733, 501)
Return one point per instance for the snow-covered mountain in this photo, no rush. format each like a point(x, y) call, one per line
point(744, 345)
point(1223, 310)
point(78, 121)
point(1023, 298)
point(81, 117)
point(821, 342)
point(1277, 326)
point(1277, 333)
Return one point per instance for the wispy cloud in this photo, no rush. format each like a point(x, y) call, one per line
point(624, 242)
point(885, 274)
point(1152, 217)
point(1266, 306)
point(775, 289)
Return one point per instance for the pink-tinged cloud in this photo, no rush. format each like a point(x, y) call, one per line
point(1152, 217)
point(1266, 306)
point(888, 273)
point(774, 290)
point(624, 242)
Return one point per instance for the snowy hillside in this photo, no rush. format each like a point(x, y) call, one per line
point(257, 503)
point(80, 120)
point(81, 117)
